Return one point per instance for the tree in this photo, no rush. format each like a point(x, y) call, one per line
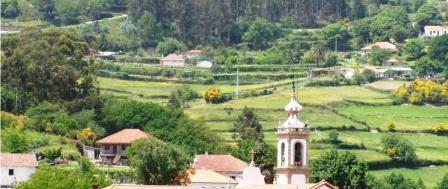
point(427, 15)
point(358, 9)
point(68, 11)
point(57, 178)
point(46, 10)
point(247, 125)
point(261, 34)
point(14, 141)
point(444, 183)
point(250, 138)
point(438, 49)
point(391, 23)
point(342, 169)
point(47, 65)
point(94, 8)
point(150, 32)
point(156, 162)
point(399, 181)
point(180, 97)
point(378, 56)
point(338, 36)
point(169, 46)
point(399, 149)
point(333, 137)
point(10, 9)
point(413, 49)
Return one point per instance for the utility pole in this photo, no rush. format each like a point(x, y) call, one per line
point(237, 81)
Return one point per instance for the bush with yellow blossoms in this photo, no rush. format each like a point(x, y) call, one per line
point(213, 95)
point(420, 91)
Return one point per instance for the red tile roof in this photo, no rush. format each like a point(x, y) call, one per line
point(219, 163)
point(380, 45)
point(125, 136)
point(18, 160)
point(172, 57)
point(436, 27)
point(135, 186)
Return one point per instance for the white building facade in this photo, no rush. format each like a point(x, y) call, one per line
point(16, 168)
point(434, 31)
point(292, 147)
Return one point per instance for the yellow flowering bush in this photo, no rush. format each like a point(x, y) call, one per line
point(439, 128)
point(213, 95)
point(420, 91)
point(11, 120)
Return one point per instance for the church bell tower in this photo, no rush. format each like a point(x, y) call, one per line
point(292, 146)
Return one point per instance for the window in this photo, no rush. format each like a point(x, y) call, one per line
point(282, 154)
point(11, 171)
point(123, 147)
point(106, 147)
point(298, 154)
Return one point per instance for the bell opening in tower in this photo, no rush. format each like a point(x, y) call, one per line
point(282, 163)
point(298, 154)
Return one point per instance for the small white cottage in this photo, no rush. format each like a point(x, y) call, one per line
point(16, 168)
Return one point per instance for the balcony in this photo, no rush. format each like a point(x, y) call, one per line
point(302, 130)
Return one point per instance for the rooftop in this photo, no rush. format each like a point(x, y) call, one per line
point(380, 45)
point(172, 57)
point(125, 136)
point(209, 176)
point(18, 160)
point(436, 27)
point(135, 186)
point(216, 163)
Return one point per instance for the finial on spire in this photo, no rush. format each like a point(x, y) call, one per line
point(293, 86)
point(252, 153)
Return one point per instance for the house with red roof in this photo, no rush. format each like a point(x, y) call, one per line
point(113, 146)
point(224, 164)
point(173, 60)
point(16, 168)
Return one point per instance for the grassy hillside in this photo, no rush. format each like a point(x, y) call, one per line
point(351, 109)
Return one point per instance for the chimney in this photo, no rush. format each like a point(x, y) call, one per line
point(206, 152)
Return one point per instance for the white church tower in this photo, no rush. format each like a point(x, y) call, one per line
point(292, 146)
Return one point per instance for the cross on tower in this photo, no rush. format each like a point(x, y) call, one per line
point(252, 153)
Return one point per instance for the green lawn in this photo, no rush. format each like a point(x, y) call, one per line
point(406, 117)
point(429, 175)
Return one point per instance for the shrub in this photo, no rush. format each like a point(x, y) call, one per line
point(421, 91)
point(213, 95)
point(390, 126)
point(439, 129)
point(333, 137)
point(52, 153)
point(399, 149)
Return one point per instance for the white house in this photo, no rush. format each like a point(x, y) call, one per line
point(434, 31)
point(172, 60)
point(16, 168)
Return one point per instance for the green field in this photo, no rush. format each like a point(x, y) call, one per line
point(429, 175)
point(345, 107)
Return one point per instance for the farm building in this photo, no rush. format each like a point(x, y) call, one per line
point(113, 146)
point(378, 45)
point(172, 60)
point(434, 31)
point(16, 168)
